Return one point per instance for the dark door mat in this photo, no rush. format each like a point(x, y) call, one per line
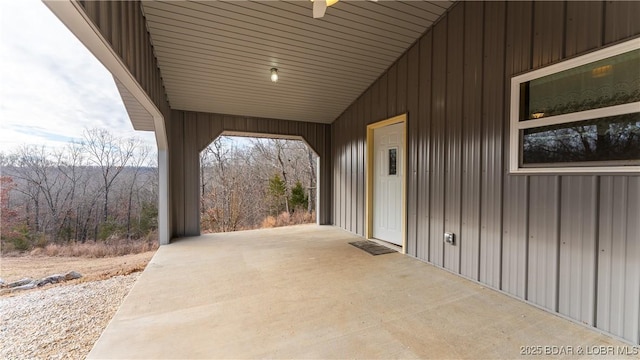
point(372, 247)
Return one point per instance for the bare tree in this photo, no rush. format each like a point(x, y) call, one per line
point(70, 160)
point(137, 164)
point(242, 185)
point(94, 189)
point(111, 154)
point(45, 186)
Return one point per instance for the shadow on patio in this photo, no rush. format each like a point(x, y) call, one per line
point(304, 292)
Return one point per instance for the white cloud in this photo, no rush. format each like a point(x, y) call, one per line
point(51, 86)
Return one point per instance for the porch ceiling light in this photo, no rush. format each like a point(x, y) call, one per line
point(274, 75)
point(329, 2)
point(320, 7)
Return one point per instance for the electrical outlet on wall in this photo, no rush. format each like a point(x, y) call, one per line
point(450, 238)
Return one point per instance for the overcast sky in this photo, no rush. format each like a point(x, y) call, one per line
point(51, 86)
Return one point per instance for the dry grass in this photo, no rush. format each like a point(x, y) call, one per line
point(286, 219)
point(92, 249)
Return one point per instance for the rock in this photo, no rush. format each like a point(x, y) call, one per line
point(2, 283)
point(28, 286)
point(51, 279)
point(28, 283)
point(22, 282)
point(72, 275)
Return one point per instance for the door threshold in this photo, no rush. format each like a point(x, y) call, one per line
point(393, 246)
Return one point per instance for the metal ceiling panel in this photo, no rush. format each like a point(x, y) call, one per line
point(216, 56)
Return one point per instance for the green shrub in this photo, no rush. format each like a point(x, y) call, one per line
point(148, 218)
point(20, 238)
point(299, 199)
point(277, 193)
point(108, 229)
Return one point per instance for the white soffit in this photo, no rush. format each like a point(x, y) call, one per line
point(215, 56)
point(140, 117)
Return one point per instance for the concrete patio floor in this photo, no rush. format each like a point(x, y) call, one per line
point(304, 292)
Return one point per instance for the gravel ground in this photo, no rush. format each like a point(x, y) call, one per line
point(61, 322)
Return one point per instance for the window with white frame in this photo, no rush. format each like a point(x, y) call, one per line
point(580, 115)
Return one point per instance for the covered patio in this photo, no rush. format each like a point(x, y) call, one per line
point(304, 292)
point(440, 84)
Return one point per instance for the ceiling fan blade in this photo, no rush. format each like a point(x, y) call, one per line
point(319, 8)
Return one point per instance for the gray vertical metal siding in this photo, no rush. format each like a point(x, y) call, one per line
point(361, 131)
point(325, 138)
point(618, 288)
point(354, 171)
point(471, 141)
point(578, 226)
point(437, 160)
point(191, 169)
point(620, 20)
point(631, 327)
point(515, 238)
point(348, 173)
point(367, 103)
point(548, 38)
point(339, 198)
point(492, 142)
point(413, 69)
point(336, 171)
point(579, 194)
point(353, 162)
point(375, 100)
point(543, 273)
point(392, 93)
point(401, 85)
point(568, 243)
point(382, 100)
point(204, 132)
point(424, 141)
point(346, 192)
point(515, 242)
point(584, 26)
point(343, 176)
point(453, 135)
point(543, 241)
point(176, 143)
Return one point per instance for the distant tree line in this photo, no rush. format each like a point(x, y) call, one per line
point(99, 188)
point(261, 183)
point(106, 188)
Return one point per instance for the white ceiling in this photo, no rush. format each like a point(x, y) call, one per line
point(215, 56)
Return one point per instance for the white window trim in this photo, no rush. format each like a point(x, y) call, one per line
point(516, 125)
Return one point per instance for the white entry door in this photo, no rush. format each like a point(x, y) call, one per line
point(388, 181)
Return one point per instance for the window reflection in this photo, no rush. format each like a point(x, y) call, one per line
point(615, 138)
point(603, 83)
point(393, 158)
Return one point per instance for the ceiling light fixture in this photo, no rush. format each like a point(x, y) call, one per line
point(329, 2)
point(274, 75)
point(320, 6)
